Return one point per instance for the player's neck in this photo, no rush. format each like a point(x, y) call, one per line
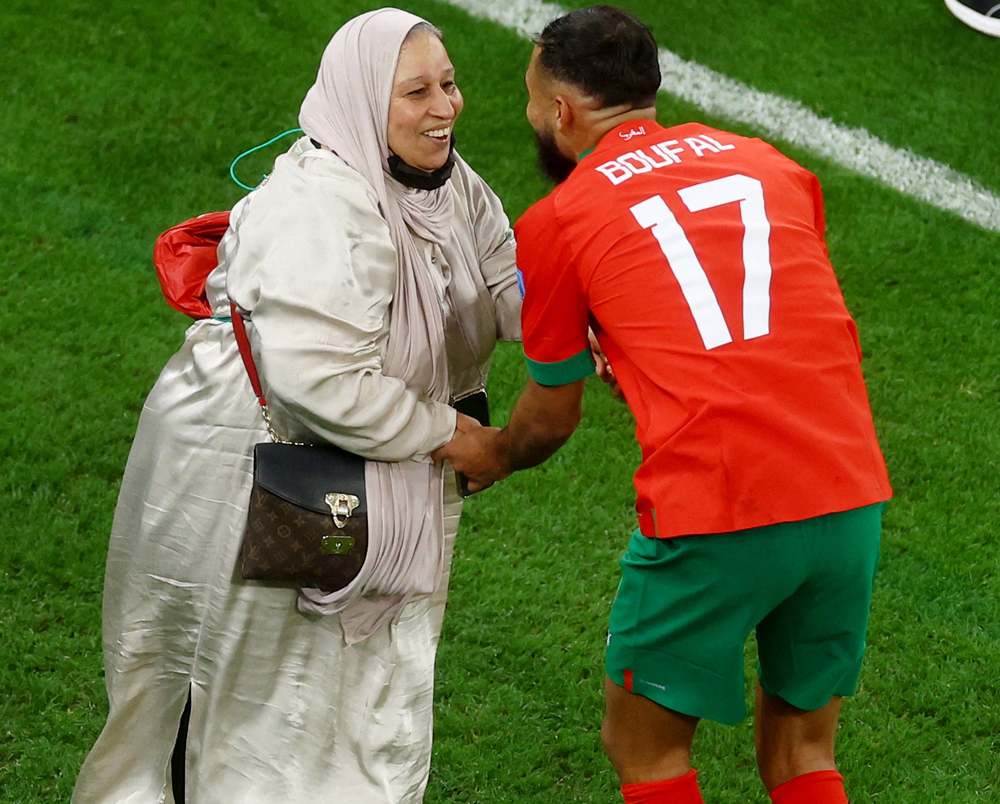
point(602, 124)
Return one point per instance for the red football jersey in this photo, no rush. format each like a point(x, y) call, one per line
point(698, 258)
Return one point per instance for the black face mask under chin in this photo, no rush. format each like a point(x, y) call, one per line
point(418, 179)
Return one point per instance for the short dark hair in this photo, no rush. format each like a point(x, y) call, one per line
point(604, 51)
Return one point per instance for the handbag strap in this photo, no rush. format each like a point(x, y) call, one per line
point(243, 342)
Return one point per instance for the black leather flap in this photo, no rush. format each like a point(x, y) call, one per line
point(304, 475)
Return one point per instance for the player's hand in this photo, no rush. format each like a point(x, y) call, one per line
point(603, 367)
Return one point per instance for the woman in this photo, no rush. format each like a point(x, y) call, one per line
point(376, 271)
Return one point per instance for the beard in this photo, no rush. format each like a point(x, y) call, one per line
point(551, 160)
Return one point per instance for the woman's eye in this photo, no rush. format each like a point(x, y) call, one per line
point(416, 93)
point(449, 86)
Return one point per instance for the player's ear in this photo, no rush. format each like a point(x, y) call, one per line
point(565, 113)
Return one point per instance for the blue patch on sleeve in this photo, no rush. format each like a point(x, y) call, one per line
point(520, 282)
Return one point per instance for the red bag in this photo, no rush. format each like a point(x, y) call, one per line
point(184, 256)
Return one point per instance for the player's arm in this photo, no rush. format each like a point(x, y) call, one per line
point(543, 419)
point(554, 321)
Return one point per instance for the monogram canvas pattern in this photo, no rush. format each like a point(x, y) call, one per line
point(284, 542)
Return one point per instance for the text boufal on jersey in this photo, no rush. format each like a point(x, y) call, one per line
point(669, 152)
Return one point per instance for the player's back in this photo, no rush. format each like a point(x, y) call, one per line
point(705, 270)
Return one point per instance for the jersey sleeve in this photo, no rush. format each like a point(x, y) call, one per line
point(554, 315)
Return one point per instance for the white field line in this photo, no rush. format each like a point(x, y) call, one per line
point(917, 176)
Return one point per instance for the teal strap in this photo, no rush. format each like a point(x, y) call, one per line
point(223, 320)
point(562, 372)
point(232, 167)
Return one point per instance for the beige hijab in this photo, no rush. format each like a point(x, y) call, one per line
point(347, 110)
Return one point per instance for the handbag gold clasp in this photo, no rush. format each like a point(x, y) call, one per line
point(341, 507)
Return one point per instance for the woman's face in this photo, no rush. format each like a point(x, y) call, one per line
point(424, 104)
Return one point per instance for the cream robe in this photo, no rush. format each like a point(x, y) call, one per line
point(283, 710)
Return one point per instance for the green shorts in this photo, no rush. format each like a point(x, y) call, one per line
point(686, 605)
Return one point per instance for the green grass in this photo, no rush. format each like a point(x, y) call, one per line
point(119, 119)
point(909, 72)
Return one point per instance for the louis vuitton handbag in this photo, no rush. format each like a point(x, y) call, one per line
point(308, 517)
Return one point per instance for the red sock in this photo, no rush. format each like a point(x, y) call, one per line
point(682, 790)
point(820, 787)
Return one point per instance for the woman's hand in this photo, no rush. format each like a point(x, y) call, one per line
point(473, 452)
point(465, 424)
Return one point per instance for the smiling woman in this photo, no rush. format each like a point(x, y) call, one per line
point(376, 272)
point(425, 102)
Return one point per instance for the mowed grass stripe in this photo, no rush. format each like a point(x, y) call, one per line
point(856, 149)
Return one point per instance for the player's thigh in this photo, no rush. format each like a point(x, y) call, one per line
point(812, 645)
point(684, 609)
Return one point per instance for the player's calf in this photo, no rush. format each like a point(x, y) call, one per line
point(650, 748)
